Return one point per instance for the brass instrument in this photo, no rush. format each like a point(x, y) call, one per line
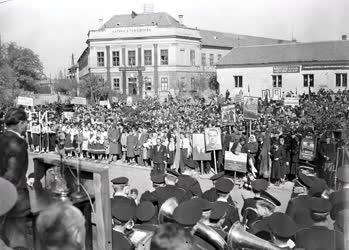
point(210, 235)
point(166, 210)
point(239, 238)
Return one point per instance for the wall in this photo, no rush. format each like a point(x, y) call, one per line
point(260, 78)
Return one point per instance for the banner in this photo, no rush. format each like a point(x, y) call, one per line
point(233, 162)
point(25, 101)
point(307, 149)
point(199, 153)
point(291, 101)
point(105, 103)
point(228, 114)
point(213, 139)
point(129, 101)
point(79, 101)
point(250, 107)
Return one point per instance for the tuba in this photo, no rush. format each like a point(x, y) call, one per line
point(239, 238)
point(166, 210)
point(210, 235)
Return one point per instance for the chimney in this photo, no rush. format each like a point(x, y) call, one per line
point(100, 23)
point(180, 18)
point(148, 8)
point(344, 37)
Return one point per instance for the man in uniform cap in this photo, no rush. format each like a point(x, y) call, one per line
point(282, 229)
point(218, 216)
point(186, 181)
point(318, 236)
point(211, 194)
point(187, 214)
point(120, 186)
point(258, 185)
point(298, 208)
point(340, 198)
point(224, 187)
point(146, 216)
point(123, 212)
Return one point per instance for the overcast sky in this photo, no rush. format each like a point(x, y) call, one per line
point(54, 29)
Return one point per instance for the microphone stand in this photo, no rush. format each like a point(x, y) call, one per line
point(77, 194)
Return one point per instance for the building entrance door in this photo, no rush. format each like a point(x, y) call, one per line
point(132, 86)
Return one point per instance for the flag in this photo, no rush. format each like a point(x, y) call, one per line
point(133, 14)
point(248, 89)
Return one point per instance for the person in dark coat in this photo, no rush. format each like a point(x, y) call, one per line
point(294, 157)
point(114, 136)
point(13, 167)
point(187, 182)
point(158, 156)
point(131, 143)
point(276, 167)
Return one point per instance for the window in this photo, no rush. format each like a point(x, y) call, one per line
point(164, 83)
point(116, 84)
point(116, 58)
point(211, 59)
point(219, 57)
point(131, 57)
point(277, 81)
point(192, 57)
point(100, 59)
point(238, 81)
point(203, 59)
point(147, 83)
point(341, 80)
point(147, 57)
point(308, 80)
point(164, 57)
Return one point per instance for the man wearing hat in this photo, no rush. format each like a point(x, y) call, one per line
point(340, 198)
point(158, 156)
point(224, 186)
point(186, 181)
point(211, 194)
point(298, 208)
point(123, 212)
point(8, 198)
point(120, 186)
point(258, 185)
point(146, 215)
point(13, 167)
point(187, 214)
point(282, 229)
point(217, 217)
point(318, 236)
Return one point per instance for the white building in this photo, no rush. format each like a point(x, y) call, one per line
point(153, 53)
point(279, 69)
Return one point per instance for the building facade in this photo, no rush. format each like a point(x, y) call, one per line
point(153, 54)
point(279, 69)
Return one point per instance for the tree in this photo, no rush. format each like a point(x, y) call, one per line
point(95, 88)
point(26, 65)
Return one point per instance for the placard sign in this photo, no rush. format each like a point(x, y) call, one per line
point(235, 162)
point(291, 101)
point(307, 149)
point(213, 139)
point(199, 152)
point(25, 101)
point(250, 107)
point(79, 101)
point(228, 114)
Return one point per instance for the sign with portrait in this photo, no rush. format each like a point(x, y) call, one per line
point(228, 114)
point(213, 139)
point(266, 93)
point(250, 107)
point(276, 94)
point(199, 152)
point(235, 162)
point(307, 149)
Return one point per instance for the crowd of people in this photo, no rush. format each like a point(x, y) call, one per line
point(177, 212)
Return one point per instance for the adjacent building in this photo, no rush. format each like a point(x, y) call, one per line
point(154, 54)
point(283, 68)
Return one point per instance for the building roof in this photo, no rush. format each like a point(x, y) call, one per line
point(330, 51)
point(223, 39)
point(160, 19)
